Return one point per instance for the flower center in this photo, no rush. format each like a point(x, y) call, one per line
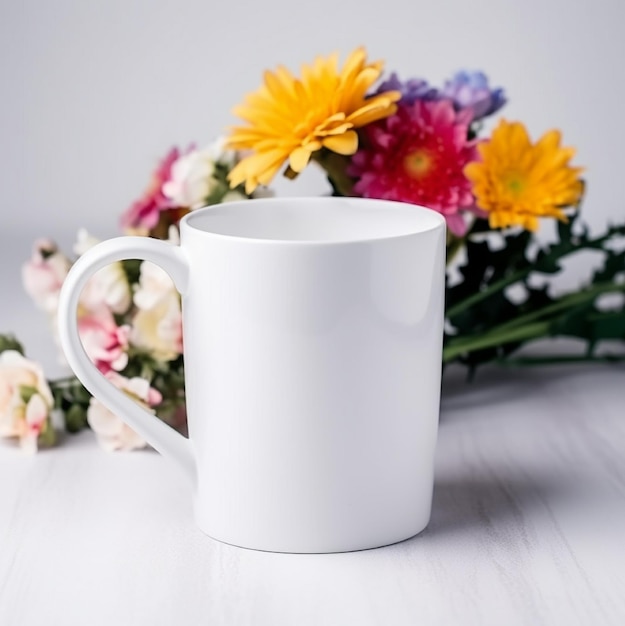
point(515, 183)
point(418, 163)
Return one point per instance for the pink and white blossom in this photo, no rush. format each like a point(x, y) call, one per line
point(144, 213)
point(25, 400)
point(192, 179)
point(112, 433)
point(44, 273)
point(104, 341)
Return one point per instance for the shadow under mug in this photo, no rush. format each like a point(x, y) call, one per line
point(312, 348)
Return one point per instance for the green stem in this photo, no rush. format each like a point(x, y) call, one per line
point(565, 302)
point(561, 359)
point(494, 338)
point(485, 293)
point(335, 166)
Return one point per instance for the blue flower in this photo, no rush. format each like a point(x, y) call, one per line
point(470, 90)
point(411, 90)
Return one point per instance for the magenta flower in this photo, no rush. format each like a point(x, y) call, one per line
point(418, 156)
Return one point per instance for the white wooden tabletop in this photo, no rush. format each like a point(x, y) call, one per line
point(528, 527)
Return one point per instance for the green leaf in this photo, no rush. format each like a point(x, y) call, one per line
point(9, 342)
point(488, 325)
point(76, 418)
point(27, 392)
point(80, 394)
point(132, 269)
point(613, 265)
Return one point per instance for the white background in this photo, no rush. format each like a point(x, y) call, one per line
point(94, 92)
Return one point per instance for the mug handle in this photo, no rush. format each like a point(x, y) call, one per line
point(173, 260)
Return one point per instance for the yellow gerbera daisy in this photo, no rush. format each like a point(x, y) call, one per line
point(517, 181)
point(291, 118)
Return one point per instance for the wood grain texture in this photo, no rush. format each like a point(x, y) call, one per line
point(528, 528)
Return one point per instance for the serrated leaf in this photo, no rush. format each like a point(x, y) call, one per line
point(478, 306)
point(613, 265)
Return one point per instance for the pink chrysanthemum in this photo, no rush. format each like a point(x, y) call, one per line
point(417, 156)
point(144, 212)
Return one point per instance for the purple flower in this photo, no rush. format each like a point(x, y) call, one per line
point(470, 90)
point(412, 89)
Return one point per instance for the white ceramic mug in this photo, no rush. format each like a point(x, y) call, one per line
point(312, 346)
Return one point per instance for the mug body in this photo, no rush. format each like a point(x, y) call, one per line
point(312, 343)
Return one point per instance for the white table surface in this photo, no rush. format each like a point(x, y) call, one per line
point(528, 527)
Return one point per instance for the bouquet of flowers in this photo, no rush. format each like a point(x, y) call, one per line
point(398, 140)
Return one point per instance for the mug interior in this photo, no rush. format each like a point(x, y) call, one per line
point(324, 219)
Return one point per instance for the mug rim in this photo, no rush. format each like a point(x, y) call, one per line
point(437, 220)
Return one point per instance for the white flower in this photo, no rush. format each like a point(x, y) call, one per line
point(84, 242)
point(159, 329)
point(112, 433)
point(220, 154)
point(157, 324)
point(108, 287)
point(154, 284)
point(25, 399)
point(193, 178)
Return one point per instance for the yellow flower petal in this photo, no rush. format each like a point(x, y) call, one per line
point(298, 159)
point(336, 130)
point(517, 181)
point(289, 118)
point(252, 167)
point(347, 143)
point(377, 108)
